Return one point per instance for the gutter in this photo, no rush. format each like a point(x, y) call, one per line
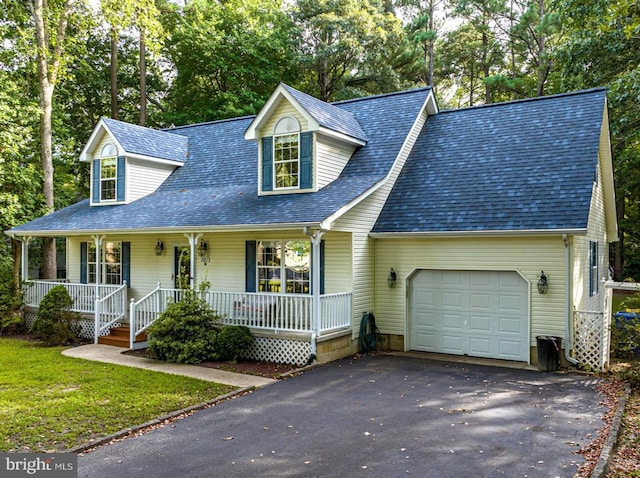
point(569, 309)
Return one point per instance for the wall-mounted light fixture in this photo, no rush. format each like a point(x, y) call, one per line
point(392, 278)
point(203, 251)
point(543, 283)
point(159, 249)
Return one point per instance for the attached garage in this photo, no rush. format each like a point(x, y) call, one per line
point(475, 313)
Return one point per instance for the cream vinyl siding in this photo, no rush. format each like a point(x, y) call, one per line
point(331, 158)
point(106, 138)
point(144, 177)
point(527, 256)
point(596, 232)
point(284, 108)
point(360, 220)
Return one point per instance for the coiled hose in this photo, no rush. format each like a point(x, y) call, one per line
point(368, 332)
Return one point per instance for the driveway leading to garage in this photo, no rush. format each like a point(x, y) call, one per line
point(376, 416)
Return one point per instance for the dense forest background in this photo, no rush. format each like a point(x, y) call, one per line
point(66, 63)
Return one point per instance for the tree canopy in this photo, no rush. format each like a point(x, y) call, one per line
point(165, 62)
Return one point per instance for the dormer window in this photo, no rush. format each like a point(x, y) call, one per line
point(108, 176)
point(286, 153)
point(108, 173)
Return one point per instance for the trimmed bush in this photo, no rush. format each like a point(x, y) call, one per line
point(186, 331)
point(233, 341)
point(56, 323)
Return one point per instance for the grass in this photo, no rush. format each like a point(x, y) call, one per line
point(49, 402)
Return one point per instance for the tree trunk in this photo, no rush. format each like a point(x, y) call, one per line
point(114, 73)
point(17, 260)
point(431, 43)
point(143, 82)
point(543, 66)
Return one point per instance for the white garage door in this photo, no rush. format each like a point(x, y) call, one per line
point(476, 313)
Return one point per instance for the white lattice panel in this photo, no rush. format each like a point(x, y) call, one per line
point(268, 349)
point(86, 326)
point(591, 331)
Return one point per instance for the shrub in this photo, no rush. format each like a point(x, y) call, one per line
point(10, 301)
point(233, 341)
point(56, 323)
point(632, 374)
point(186, 331)
point(625, 331)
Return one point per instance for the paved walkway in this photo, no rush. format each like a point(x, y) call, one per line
point(111, 354)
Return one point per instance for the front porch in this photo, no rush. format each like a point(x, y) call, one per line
point(287, 327)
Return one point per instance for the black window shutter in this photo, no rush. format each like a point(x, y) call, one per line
point(306, 160)
point(83, 262)
point(250, 267)
point(120, 184)
point(126, 262)
point(267, 164)
point(96, 180)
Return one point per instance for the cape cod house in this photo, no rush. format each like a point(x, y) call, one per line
point(469, 231)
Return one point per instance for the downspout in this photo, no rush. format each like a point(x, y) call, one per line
point(569, 309)
point(315, 237)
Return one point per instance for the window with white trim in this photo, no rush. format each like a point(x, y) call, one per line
point(286, 153)
point(593, 268)
point(284, 266)
point(110, 263)
point(108, 173)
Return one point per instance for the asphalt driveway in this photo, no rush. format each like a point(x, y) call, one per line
point(377, 416)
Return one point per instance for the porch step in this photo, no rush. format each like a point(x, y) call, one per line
point(119, 337)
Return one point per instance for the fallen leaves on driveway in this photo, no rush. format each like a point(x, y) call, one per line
point(611, 389)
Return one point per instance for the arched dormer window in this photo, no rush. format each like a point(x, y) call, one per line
point(108, 172)
point(108, 176)
point(286, 153)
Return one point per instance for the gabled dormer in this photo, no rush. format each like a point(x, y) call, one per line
point(304, 143)
point(129, 162)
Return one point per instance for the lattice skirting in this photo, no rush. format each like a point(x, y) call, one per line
point(86, 325)
point(591, 332)
point(269, 349)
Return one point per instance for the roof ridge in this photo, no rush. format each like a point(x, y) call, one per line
point(205, 123)
point(525, 100)
point(382, 95)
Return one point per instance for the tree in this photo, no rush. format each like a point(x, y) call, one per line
point(228, 57)
point(601, 49)
point(144, 16)
point(340, 39)
point(50, 36)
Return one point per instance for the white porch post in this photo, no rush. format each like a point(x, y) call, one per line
point(193, 244)
point(98, 241)
point(24, 257)
point(316, 319)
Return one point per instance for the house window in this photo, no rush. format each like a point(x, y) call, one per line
point(284, 266)
point(286, 153)
point(111, 263)
point(593, 268)
point(108, 173)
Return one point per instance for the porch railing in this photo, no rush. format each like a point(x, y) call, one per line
point(277, 312)
point(84, 295)
point(109, 310)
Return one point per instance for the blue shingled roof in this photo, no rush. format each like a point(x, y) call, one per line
point(523, 165)
point(218, 185)
point(328, 115)
point(148, 142)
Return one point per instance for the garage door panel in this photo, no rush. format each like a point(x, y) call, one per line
point(480, 324)
point(478, 313)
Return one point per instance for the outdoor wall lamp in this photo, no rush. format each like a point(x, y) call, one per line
point(203, 251)
point(159, 249)
point(392, 279)
point(543, 283)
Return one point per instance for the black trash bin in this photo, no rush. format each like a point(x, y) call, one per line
point(548, 353)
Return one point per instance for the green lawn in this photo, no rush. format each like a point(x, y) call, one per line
point(49, 402)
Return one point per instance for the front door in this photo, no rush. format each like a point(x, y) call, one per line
point(182, 267)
